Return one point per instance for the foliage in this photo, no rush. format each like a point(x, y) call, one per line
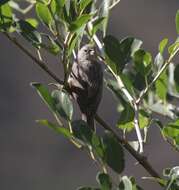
point(142, 84)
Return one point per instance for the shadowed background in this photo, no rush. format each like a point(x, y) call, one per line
point(35, 158)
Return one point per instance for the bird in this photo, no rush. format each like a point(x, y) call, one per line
point(86, 83)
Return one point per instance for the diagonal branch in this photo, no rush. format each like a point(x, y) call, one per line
point(40, 63)
point(141, 159)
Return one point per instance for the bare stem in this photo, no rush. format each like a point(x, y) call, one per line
point(141, 159)
point(137, 127)
point(125, 92)
point(41, 64)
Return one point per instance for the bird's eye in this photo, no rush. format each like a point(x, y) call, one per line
point(85, 50)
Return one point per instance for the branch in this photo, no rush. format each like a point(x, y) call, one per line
point(40, 63)
point(141, 159)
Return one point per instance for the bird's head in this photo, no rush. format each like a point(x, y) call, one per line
point(87, 52)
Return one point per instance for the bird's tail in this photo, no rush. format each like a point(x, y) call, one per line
point(89, 120)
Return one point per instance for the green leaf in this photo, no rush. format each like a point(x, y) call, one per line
point(33, 22)
point(63, 104)
point(142, 62)
point(29, 32)
point(2, 2)
point(44, 14)
point(51, 46)
point(97, 24)
point(82, 132)
point(143, 120)
point(5, 17)
point(127, 82)
point(113, 153)
point(59, 130)
point(176, 77)
point(127, 126)
point(177, 22)
point(119, 54)
point(97, 145)
point(113, 53)
point(162, 45)
point(126, 46)
point(45, 95)
point(174, 47)
point(158, 62)
point(161, 86)
point(171, 130)
point(61, 3)
point(84, 3)
point(125, 184)
point(126, 115)
point(104, 181)
point(134, 185)
point(72, 43)
point(114, 87)
point(135, 46)
point(79, 22)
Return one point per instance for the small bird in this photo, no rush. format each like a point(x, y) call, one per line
point(86, 83)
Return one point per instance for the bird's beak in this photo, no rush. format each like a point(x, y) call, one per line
point(92, 52)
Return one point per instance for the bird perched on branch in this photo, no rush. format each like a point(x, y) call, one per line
point(86, 83)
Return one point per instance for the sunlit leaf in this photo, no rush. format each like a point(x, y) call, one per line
point(84, 3)
point(5, 17)
point(125, 184)
point(58, 129)
point(32, 21)
point(142, 61)
point(44, 14)
point(158, 62)
point(171, 130)
point(80, 22)
point(29, 32)
point(174, 47)
point(162, 86)
point(162, 45)
point(98, 24)
point(177, 22)
point(135, 46)
point(45, 95)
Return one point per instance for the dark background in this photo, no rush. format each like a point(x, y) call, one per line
point(35, 158)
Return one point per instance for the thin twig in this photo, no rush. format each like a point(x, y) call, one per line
point(41, 64)
point(137, 127)
point(114, 4)
point(144, 92)
point(125, 92)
